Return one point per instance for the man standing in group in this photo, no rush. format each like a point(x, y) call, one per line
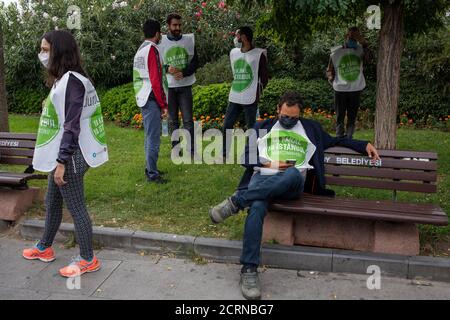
point(345, 72)
point(181, 62)
point(249, 66)
point(149, 87)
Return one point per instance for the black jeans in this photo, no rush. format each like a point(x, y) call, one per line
point(231, 116)
point(180, 99)
point(346, 103)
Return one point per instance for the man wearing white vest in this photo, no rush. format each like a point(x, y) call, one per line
point(180, 62)
point(250, 76)
point(150, 89)
point(70, 140)
point(345, 73)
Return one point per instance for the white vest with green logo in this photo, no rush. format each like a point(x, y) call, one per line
point(92, 140)
point(141, 74)
point(245, 67)
point(281, 144)
point(348, 66)
point(178, 54)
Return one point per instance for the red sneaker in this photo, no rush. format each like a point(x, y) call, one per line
point(48, 255)
point(80, 266)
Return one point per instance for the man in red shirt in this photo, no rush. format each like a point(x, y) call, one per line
point(150, 95)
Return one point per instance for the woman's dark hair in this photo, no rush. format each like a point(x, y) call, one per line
point(64, 55)
point(291, 98)
point(150, 28)
point(172, 16)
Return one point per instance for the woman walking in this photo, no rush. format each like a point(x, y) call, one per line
point(71, 138)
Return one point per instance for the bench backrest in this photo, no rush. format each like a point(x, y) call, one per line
point(17, 148)
point(397, 170)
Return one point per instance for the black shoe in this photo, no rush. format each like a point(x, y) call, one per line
point(147, 174)
point(157, 180)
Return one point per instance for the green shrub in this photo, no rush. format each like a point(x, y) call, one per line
point(26, 101)
point(215, 72)
point(119, 104)
point(211, 100)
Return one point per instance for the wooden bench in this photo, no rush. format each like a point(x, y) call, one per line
point(15, 195)
point(357, 224)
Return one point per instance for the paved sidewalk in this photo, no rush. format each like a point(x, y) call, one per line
point(133, 276)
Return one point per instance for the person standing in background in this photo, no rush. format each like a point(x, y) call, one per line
point(150, 90)
point(181, 62)
point(345, 73)
point(249, 66)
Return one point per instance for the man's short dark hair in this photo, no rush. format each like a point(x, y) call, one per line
point(353, 29)
point(291, 98)
point(247, 31)
point(172, 16)
point(151, 27)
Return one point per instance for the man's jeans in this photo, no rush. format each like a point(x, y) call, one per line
point(231, 116)
point(151, 114)
point(286, 185)
point(180, 99)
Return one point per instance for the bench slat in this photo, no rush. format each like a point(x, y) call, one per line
point(434, 215)
point(15, 143)
point(16, 161)
point(18, 136)
point(381, 184)
point(387, 153)
point(377, 172)
point(400, 207)
point(386, 163)
point(16, 152)
point(19, 178)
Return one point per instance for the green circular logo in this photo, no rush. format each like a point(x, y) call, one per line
point(349, 67)
point(243, 75)
point(177, 57)
point(48, 124)
point(284, 145)
point(97, 126)
point(138, 83)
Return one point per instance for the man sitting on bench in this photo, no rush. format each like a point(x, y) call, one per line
point(288, 147)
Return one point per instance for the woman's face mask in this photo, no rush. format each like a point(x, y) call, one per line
point(44, 57)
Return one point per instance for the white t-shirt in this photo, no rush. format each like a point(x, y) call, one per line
point(281, 144)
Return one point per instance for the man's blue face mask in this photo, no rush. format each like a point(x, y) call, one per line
point(351, 44)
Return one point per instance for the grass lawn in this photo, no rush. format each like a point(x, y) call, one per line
point(119, 196)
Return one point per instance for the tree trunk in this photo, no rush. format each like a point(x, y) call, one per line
point(4, 125)
point(388, 74)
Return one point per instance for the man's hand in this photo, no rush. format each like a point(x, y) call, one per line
point(164, 113)
point(173, 70)
point(372, 152)
point(281, 165)
point(178, 75)
point(59, 175)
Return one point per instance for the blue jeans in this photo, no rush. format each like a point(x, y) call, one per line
point(231, 116)
point(151, 113)
point(286, 185)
